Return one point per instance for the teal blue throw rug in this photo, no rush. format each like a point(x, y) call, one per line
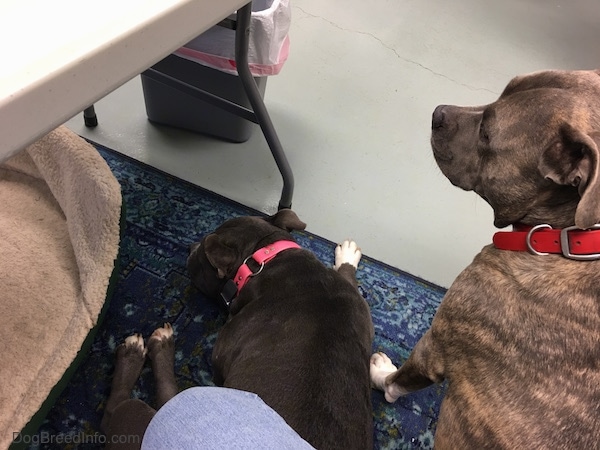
point(163, 216)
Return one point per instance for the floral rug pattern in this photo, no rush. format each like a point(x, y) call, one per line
point(163, 216)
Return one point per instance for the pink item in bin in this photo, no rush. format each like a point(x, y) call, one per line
point(268, 47)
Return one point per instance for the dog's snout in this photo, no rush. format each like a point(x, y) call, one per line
point(438, 117)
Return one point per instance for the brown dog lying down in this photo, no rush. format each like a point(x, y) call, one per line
point(299, 335)
point(517, 335)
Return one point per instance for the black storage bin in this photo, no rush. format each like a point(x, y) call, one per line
point(169, 106)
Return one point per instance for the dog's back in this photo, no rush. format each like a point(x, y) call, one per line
point(299, 334)
point(303, 344)
point(523, 357)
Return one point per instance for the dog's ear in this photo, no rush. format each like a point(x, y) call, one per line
point(219, 255)
point(287, 220)
point(574, 161)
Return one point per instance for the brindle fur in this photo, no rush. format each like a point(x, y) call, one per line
point(517, 336)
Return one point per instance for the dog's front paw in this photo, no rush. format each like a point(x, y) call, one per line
point(347, 252)
point(129, 362)
point(380, 368)
point(161, 340)
point(132, 349)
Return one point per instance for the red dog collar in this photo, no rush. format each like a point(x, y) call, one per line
point(571, 242)
point(244, 273)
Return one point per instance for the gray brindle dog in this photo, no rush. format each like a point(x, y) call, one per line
point(517, 335)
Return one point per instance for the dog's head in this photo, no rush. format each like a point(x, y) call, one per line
point(216, 258)
point(533, 154)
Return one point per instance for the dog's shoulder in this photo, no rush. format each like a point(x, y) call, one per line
point(517, 289)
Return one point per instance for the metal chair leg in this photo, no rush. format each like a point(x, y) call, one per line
point(89, 117)
point(241, 58)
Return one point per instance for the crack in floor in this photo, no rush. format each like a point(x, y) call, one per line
point(398, 55)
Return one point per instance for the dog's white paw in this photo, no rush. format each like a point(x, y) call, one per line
point(163, 333)
point(347, 252)
point(381, 368)
point(135, 342)
point(162, 342)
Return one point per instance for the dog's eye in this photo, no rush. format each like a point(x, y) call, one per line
point(483, 134)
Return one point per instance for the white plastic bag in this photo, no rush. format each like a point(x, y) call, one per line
point(268, 47)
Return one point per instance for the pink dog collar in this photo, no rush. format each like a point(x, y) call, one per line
point(261, 256)
point(244, 273)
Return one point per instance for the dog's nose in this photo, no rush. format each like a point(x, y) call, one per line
point(438, 117)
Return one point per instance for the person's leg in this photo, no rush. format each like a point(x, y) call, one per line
point(219, 418)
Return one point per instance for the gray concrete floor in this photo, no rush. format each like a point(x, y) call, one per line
point(352, 107)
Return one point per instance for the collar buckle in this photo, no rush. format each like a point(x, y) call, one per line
point(229, 292)
point(566, 246)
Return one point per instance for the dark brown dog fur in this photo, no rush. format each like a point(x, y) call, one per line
point(299, 334)
point(517, 336)
point(126, 416)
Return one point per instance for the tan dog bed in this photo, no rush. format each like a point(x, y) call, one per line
point(60, 209)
